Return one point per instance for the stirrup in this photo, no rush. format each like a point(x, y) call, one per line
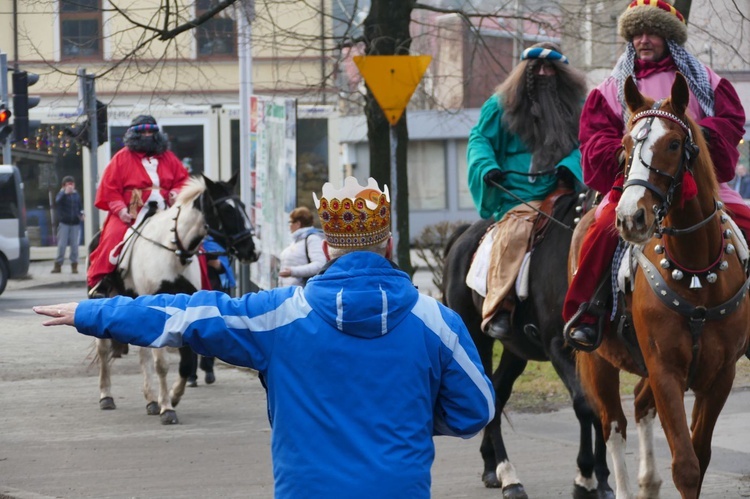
point(575, 321)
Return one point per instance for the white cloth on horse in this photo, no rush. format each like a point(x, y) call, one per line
point(522, 281)
point(476, 278)
point(739, 241)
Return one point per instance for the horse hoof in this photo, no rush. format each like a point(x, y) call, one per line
point(107, 404)
point(210, 378)
point(490, 480)
point(192, 382)
point(583, 493)
point(514, 491)
point(606, 493)
point(152, 409)
point(169, 417)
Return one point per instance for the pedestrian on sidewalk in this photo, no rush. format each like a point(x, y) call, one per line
point(69, 213)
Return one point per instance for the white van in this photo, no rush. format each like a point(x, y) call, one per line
point(14, 244)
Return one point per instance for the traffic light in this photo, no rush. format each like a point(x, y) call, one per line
point(102, 127)
point(80, 133)
point(22, 80)
point(5, 126)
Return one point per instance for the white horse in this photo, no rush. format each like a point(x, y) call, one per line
point(158, 258)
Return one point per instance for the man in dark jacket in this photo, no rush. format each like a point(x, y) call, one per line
point(69, 212)
point(361, 369)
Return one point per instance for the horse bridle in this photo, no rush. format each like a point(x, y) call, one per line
point(184, 254)
point(231, 241)
point(689, 151)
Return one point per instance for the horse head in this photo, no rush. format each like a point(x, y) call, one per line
point(189, 222)
point(667, 163)
point(227, 219)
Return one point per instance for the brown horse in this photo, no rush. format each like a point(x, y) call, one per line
point(688, 298)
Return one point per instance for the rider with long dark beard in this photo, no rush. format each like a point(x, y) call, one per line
point(141, 172)
point(529, 126)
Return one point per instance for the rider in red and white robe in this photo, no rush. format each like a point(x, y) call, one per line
point(141, 172)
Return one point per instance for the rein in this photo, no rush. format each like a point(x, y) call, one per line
point(184, 254)
point(540, 212)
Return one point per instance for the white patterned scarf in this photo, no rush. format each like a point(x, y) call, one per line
point(695, 73)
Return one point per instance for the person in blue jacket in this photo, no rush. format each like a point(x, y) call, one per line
point(523, 146)
point(361, 369)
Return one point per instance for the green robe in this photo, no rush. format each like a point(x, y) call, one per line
point(490, 147)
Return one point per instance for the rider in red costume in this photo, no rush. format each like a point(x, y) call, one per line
point(655, 32)
point(142, 171)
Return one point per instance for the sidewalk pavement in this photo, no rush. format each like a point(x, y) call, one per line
point(39, 276)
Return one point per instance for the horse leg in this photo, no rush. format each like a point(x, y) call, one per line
point(147, 368)
point(670, 405)
point(186, 368)
point(509, 369)
point(587, 483)
point(708, 404)
point(167, 413)
point(104, 353)
point(601, 381)
point(649, 481)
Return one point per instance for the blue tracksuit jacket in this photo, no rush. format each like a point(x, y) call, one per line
point(361, 369)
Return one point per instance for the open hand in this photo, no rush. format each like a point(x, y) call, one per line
point(63, 314)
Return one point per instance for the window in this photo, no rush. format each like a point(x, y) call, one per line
point(81, 29)
point(217, 36)
point(427, 175)
point(465, 202)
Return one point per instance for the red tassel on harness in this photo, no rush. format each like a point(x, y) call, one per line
point(689, 189)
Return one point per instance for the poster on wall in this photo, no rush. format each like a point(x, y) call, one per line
point(273, 141)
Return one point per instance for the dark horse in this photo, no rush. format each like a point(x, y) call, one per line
point(537, 335)
point(160, 260)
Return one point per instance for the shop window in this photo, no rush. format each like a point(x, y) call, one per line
point(81, 29)
point(218, 35)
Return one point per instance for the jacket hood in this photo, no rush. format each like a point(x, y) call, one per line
point(362, 294)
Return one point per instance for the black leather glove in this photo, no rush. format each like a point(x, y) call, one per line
point(494, 175)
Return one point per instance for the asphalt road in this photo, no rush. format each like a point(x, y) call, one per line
point(55, 442)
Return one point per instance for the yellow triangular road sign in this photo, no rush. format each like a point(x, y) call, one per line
point(392, 79)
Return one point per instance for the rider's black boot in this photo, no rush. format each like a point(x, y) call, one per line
point(499, 326)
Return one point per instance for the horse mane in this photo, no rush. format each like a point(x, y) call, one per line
point(193, 188)
point(702, 166)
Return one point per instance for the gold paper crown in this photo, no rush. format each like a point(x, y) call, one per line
point(354, 216)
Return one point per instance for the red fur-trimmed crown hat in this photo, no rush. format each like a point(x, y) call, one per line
point(354, 216)
point(655, 17)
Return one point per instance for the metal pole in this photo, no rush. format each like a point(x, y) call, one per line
point(393, 191)
point(7, 159)
point(247, 174)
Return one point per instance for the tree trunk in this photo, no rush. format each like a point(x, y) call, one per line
point(684, 7)
point(386, 31)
